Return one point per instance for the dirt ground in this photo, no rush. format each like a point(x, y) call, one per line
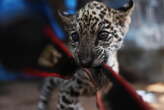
point(24, 96)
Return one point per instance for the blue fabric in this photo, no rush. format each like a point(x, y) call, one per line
point(71, 6)
point(10, 8)
point(53, 22)
point(5, 75)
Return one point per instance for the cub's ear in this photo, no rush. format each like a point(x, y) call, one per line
point(123, 14)
point(126, 9)
point(65, 17)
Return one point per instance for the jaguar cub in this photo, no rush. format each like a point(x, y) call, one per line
point(96, 32)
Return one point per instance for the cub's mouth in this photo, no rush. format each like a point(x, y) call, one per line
point(92, 61)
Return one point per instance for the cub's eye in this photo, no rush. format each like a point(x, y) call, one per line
point(75, 37)
point(103, 35)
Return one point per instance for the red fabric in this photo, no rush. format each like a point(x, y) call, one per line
point(99, 102)
point(48, 31)
point(38, 73)
point(130, 90)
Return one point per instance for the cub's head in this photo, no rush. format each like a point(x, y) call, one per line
point(96, 31)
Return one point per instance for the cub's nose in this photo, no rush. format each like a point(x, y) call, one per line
point(85, 62)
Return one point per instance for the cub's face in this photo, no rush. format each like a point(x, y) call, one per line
point(96, 31)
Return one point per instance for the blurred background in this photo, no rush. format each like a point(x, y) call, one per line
point(22, 41)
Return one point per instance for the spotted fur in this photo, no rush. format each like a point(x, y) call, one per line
point(96, 32)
